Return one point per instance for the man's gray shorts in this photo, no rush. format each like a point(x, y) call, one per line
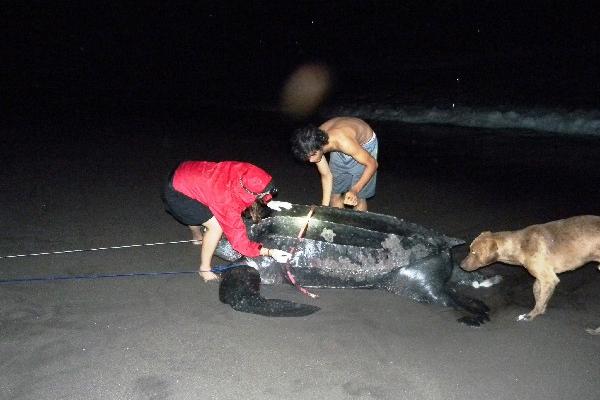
point(347, 171)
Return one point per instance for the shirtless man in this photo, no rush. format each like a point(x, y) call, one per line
point(352, 163)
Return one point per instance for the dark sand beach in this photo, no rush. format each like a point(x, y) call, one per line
point(84, 182)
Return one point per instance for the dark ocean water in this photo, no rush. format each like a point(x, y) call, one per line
point(564, 120)
point(537, 93)
point(557, 93)
point(510, 65)
point(543, 92)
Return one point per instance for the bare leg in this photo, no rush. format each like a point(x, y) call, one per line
point(337, 200)
point(209, 244)
point(197, 233)
point(361, 206)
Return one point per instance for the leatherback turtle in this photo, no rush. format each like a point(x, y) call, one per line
point(341, 248)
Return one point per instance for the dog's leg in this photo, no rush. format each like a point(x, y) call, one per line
point(543, 288)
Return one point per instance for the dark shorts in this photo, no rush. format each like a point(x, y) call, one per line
point(347, 171)
point(183, 208)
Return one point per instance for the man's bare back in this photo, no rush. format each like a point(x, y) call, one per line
point(352, 128)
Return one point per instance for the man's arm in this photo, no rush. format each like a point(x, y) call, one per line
point(351, 147)
point(326, 180)
point(370, 164)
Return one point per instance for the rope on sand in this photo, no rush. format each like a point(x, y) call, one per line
point(90, 277)
point(126, 246)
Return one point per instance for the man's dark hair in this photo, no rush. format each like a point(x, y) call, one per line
point(307, 140)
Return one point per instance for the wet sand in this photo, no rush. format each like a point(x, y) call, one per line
point(95, 183)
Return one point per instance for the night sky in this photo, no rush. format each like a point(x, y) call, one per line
point(102, 54)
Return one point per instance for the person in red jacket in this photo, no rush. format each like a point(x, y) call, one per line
point(212, 196)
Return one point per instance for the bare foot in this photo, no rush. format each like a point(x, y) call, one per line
point(208, 276)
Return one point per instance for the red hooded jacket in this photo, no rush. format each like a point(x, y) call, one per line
point(217, 185)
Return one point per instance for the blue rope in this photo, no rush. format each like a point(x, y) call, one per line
point(90, 277)
point(217, 269)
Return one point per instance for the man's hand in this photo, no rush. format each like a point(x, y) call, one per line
point(281, 256)
point(350, 198)
point(278, 205)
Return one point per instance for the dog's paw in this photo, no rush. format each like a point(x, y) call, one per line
point(593, 331)
point(524, 317)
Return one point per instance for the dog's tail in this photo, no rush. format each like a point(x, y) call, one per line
point(240, 288)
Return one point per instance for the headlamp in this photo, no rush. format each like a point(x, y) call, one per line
point(266, 195)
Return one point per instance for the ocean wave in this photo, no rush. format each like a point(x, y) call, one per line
point(572, 122)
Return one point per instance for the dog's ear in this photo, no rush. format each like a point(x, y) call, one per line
point(492, 246)
point(481, 236)
point(485, 247)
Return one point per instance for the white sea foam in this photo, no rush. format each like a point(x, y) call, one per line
point(572, 122)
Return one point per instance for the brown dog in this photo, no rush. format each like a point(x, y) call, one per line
point(544, 250)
